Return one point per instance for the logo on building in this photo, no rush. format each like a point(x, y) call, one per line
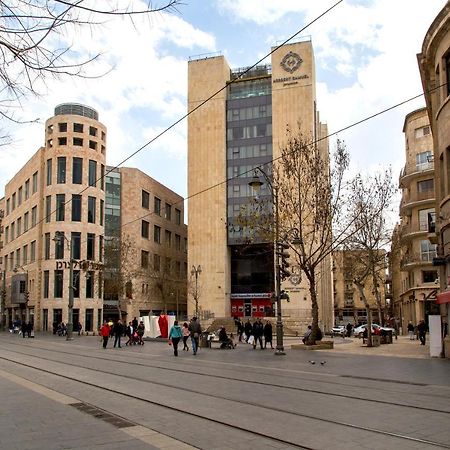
point(291, 62)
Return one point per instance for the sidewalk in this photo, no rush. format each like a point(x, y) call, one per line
point(400, 348)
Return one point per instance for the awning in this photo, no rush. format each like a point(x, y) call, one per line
point(443, 297)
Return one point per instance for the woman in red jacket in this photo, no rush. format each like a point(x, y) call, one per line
point(104, 332)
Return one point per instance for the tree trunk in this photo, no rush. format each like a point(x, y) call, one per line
point(314, 310)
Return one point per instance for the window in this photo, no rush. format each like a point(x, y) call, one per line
point(61, 170)
point(76, 208)
point(62, 127)
point(6, 234)
point(59, 245)
point(447, 71)
point(168, 238)
point(18, 263)
point(145, 227)
point(35, 182)
point(156, 263)
point(75, 242)
point(25, 221)
point(178, 242)
point(102, 211)
point(425, 186)
point(177, 216)
point(47, 246)
point(19, 226)
point(90, 247)
point(77, 171)
point(144, 259)
point(13, 231)
point(76, 283)
point(92, 131)
point(92, 203)
point(19, 196)
point(92, 145)
point(49, 172)
point(33, 216)
point(90, 284)
point(62, 141)
point(58, 284)
point(424, 218)
point(100, 248)
point(13, 202)
point(167, 265)
point(145, 200)
point(25, 254)
point(48, 208)
point(7, 206)
point(77, 142)
point(89, 320)
point(427, 250)
point(92, 172)
point(33, 251)
point(424, 160)
point(60, 207)
point(429, 276)
point(157, 206)
point(27, 189)
point(168, 212)
point(102, 177)
point(421, 132)
point(78, 127)
point(46, 283)
point(157, 234)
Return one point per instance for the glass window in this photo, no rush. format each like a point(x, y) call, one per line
point(76, 283)
point(90, 248)
point(49, 172)
point(46, 283)
point(7, 234)
point(168, 238)
point(18, 263)
point(13, 202)
point(61, 170)
point(58, 284)
point(25, 221)
point(156, 263)
point(92, 131)
point(100, 248)
point(102, 211)
point(25, 254)
point(425, 186)
point(19, 196)
point(33, 251)
point(62, 141)
point(33, 216)
point(62, 127)
point(177, 216)
point(157, 206)
point(75, 243)
point(27, 189)
point(429, 276)
point(424, 218)
point(47, 246)
point(48, 208)
point(59, 245)
point(89, 320)
point(145, 200)
point(78, 142)
point(90, 284)
point(427, 250)
point(157, 234)
point(60, 207)
point(168, 212)
point(13, 231)
point(35, 182)
point(19, 226)
point(92, 145)
point(7, 206)
point(92, 203)
point(144, 259)
point(76, 208)
point(78, 127)
point(145, 227)
point(77, 171)
point(178, 242)
point(102, 177)
point(92, 172)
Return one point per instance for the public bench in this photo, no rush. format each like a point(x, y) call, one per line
point(214, 342)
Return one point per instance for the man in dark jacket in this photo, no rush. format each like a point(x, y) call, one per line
point(117, 331)
point(248, 329)
point(258, 331)
point(195, 330)
point(422, 329)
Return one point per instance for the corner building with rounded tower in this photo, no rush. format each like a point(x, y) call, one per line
point(54, 214)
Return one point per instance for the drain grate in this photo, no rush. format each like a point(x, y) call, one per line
point(98, 413)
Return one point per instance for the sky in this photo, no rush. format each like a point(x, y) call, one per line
point(365, 54)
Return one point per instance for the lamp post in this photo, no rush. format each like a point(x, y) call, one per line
point(256, 184)
point(196, 271)
point(58, 238)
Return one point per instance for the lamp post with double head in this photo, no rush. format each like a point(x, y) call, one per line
point(195, 272)
point(61, 238)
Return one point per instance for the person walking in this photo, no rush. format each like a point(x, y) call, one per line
point(175, 334)
point(140, 332)
point(195, 330)
point(410, 331)
point(268, 334)
point(240, 329)
point(186, 334)
point(248, 329)
point(349, 329)
point(104, 333)
point(129, 333)
point(29, 329)
point(258, 331)
point(23, 329)
point(422, 329)
point(117, 332)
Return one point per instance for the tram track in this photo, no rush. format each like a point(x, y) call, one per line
point(308, 416)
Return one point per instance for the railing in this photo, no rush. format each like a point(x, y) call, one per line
point(417, 258)
point(410, 169)
point(419, 196)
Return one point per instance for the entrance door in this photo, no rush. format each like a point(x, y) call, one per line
point(248, 309)
point(76, 318)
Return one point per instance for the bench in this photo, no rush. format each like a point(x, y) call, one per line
point(215, 343)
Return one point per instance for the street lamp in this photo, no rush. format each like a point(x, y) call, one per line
point(60, 237)
point(196, 271)
point(256, 184)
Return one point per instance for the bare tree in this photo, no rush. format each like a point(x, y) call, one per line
point(34, 43)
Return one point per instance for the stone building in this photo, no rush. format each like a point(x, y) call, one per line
point(145, 246)
point(415, 294)
point(241, 127)
point(54, 209)
point(434, 66)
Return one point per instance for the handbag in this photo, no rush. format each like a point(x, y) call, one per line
point(170, 341)
point(251, 339)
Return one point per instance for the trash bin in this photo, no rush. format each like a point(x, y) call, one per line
point(203, 341)
point(376, 340)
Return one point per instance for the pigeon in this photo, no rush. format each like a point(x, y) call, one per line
point(312, 362)
point(322, 362)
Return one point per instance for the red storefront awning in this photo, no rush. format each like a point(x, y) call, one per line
point(443, 297)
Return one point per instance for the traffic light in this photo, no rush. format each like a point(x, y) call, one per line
point(284, 264)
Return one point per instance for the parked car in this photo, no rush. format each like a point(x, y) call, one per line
point(338, 330)
point(359, 331)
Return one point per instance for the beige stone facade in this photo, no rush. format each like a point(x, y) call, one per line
point(242, 127)
point(149, 218)
point(59, 190)
point(434, 65)
point(415, 294)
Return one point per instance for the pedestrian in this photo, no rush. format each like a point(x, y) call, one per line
point(410, 331)
point(104, 333)
point(240, 329)
point(195, 330)
point(422, 329)
point(117, 332)
point(268, 334)
point(23, 329)
point(258, 331)
point(186, 334)
point(140, 332)
point(349, 329)
point(29, 329)
point(135, 324)
point(129, 333)
point(175, 334)
point(79, 328)
point(248, 329)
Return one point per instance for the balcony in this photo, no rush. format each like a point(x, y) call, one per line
point(417, 259)
point(415, 200)
point(408, 232)
point(411, 171)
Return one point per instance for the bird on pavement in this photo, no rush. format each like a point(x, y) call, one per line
point(312, 362)
point(322, 362)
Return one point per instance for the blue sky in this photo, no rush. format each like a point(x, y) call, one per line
point(365, 61)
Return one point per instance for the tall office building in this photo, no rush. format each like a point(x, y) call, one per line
point(242, 127)
point(53, 213)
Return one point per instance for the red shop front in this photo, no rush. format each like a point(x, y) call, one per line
point(251, 305)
